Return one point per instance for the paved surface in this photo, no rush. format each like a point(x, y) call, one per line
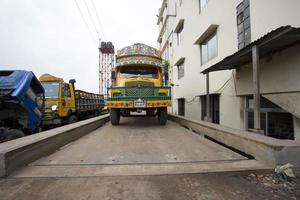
point(112, 163)
point(138, 147)
point(173, 187)
point(139, 140)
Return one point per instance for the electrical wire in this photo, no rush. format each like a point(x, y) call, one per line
point(85, 22)
point(98, 19)
point(91, 17)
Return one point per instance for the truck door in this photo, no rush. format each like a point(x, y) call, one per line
point(66, 99)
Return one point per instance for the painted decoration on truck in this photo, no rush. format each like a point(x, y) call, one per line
point(139, 54)
point(142, 60)
point(139, 49)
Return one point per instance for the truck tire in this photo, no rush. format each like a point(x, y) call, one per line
point(114, 116)
point(162, 116)
point(13, 134)
point(72, 119)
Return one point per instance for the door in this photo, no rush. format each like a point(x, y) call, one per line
point(181, 107)
point(66, 99)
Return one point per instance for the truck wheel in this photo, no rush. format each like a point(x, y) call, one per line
point(115, 116)
point(72, 119)
point(13, 134)
point(162, 116)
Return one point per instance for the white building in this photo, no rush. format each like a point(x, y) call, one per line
point(196, 35)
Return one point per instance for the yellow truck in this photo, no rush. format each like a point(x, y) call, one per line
point(138, 84)
point(65, 105)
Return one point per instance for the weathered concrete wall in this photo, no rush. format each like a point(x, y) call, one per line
point(269, 150)
point(279, 73)
point(287, 101)
point(231, 106)
point(18, 153)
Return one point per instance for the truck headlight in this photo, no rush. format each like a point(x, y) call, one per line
point(54, 107)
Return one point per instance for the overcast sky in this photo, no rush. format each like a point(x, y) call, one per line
point(49, 36)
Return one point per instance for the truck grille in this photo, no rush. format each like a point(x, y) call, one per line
point(139, 92)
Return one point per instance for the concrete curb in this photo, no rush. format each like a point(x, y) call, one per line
point(268, 150)
point(18, 153)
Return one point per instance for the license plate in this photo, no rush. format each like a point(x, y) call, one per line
point(140, 103)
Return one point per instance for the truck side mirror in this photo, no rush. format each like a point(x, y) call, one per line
point(72, 81)
point(113, 75)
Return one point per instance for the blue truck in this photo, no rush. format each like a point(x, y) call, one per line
point(22, 104)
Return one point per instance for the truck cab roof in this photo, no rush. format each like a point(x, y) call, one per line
point(18, 79)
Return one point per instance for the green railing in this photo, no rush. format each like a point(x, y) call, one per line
point(130, 93)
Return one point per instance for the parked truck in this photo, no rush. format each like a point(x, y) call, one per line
point(138, 84)
point(21, 104)
point(65, 105)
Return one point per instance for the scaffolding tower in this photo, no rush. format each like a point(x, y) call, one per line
point(106, 65)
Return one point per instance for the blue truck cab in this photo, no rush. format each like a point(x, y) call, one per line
point(22, 104)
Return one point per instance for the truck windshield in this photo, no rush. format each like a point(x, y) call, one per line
point(51, 89)
point(138, 71)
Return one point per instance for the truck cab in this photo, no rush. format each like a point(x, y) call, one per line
point(21, 104)
point(60, 100)
point(146, 75)
point(138, 84)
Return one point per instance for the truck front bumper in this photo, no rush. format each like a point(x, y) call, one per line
point(51, 118)
point(130, 103)
point(49, 122)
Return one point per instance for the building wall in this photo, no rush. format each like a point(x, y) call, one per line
point(193, 83)
point(268, 15)
point(231, 106)
point(279, 73)
point(265, 16)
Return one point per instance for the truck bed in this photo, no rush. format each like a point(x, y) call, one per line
point(86, 101)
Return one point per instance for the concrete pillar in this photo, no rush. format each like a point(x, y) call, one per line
point(296, 128)
point(245, 108)
point(208, 117)
point(256, 90)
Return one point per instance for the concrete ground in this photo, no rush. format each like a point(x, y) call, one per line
point(140, 160)
point(212, 186)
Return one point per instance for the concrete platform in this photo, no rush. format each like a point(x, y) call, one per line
point(271, 151)
point(138, 160)
point(20, 152)
point(138, 147)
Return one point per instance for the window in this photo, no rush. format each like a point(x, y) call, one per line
point(202, 4)
point(51, 89)
point(243, 24)
point(138, 72)
point(66, 90)
point(179, 35)
point(180, 69)
point(209, 48)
